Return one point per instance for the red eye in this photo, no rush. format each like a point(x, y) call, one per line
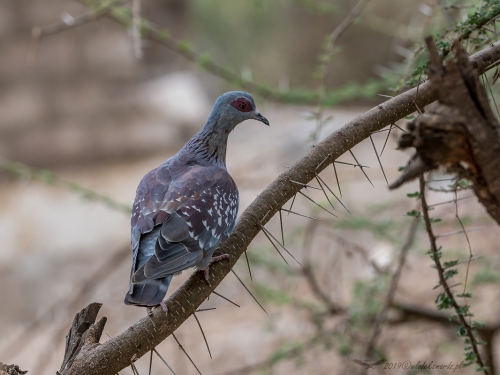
point(242, 105)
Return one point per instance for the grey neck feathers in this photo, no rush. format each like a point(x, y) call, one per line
point(210, 143)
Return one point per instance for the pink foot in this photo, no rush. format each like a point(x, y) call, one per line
point(212, 261)
point(164, 307)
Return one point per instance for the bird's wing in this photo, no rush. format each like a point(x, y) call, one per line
point(211, 209)
point(192, 210)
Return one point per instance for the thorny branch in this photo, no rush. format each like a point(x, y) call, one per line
point(436, 255)
point(139, 339)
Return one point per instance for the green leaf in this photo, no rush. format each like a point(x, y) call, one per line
point(449, 264)
point(413, 195)
point(450, 273)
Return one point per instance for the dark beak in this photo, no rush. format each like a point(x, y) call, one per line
point(261, 118)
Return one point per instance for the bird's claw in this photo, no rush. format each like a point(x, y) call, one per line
point(216, 259)
point(164, 307)
point(219, 258)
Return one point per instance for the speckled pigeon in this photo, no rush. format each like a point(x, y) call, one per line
point(187, 206)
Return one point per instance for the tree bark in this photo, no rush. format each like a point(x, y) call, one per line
point(11, 370)
point(459, 131)
point(117, 353)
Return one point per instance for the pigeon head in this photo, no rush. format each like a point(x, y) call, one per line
point(232, 108)
point(208, 146)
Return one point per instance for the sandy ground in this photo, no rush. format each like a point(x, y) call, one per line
point(53, 241)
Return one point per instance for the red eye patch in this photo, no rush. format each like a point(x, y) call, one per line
point(242, 105)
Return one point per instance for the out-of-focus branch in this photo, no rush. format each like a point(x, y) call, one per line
point(86, 287)
point(76, 300)
point(308, 272)
point(39, 32)
point(411, 312)
point(326, 60)
point(381, 317)
point(290, 353)
point(19, 170)
point(334, 36)
point(363, 252)
point(136, 28)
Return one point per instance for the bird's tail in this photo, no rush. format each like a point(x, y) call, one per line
point(148, 292)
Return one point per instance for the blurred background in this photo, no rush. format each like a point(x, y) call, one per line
point(86, 110)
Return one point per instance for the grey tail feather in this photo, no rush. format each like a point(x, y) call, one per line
point(149, 292)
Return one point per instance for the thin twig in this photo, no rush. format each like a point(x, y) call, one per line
point(19, 170)
point(326, 60)
point(458, 232)
point(451, 201)
point(335, 35)
point(39, 32)
point(136, 28)
point(308, 272)
point(356, 248)
point(470, 251)
point(437, 261)
point(381, 317)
